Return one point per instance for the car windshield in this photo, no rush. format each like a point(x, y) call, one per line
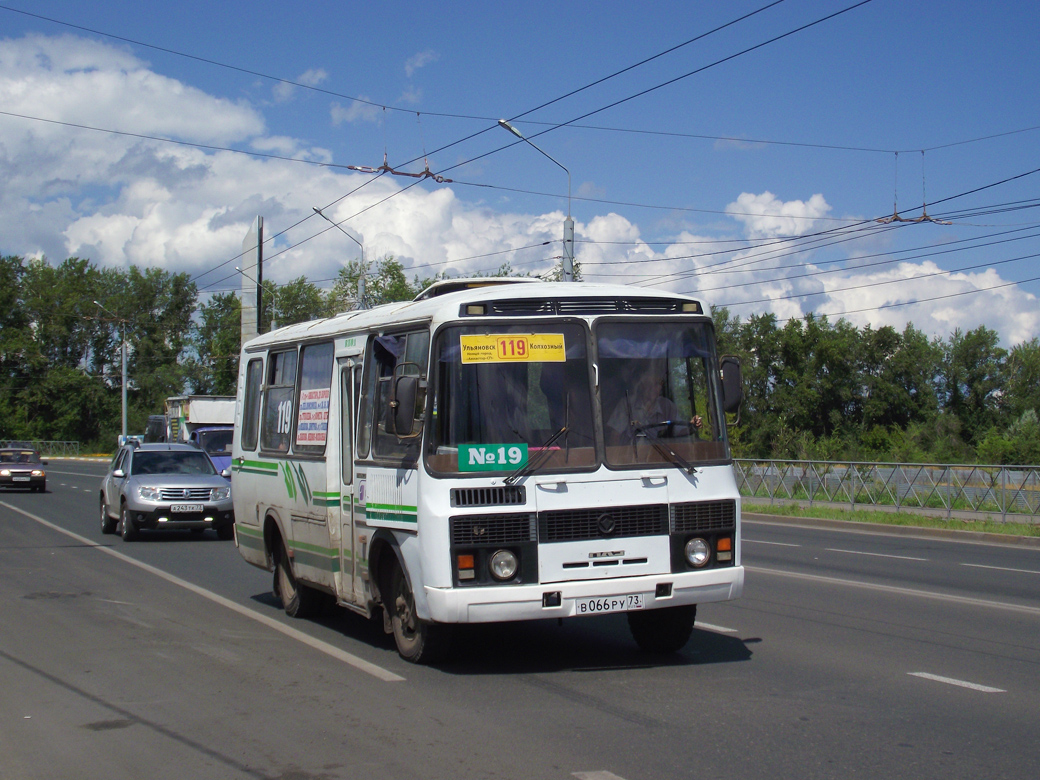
point(19, 456)
point(171, 462)
point(216, 442)
point(510, 393)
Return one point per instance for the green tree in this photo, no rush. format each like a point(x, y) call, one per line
point(1022, 386)
point(293, 302)
point(216, 341)
point(971, 380)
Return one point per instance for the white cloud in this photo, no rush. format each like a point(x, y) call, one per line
point(766, 216)
point(71, 79)
point(355, 112)
point(420, 60)
point(284, 91)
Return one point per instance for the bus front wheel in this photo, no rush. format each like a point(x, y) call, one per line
point(665, 630)
point(417, 641)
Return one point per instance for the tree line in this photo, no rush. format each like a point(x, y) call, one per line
point(814, 389)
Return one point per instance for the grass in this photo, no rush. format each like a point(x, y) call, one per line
point(895, 518)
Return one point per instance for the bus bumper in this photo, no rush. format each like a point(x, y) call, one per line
point(567, 599)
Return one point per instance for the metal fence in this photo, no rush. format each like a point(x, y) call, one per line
point(48, 449)
point(968, 492)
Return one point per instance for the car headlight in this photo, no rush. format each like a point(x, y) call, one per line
point(697, 552)
point(220, 493)
point(148, 493)
point(503, 565)
point(39, 473)
point(5, 472)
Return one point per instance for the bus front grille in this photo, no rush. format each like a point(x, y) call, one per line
point(571, 525)
point(704, 516)
point(504, 495)
point(471, 530)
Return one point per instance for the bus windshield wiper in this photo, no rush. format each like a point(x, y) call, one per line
point(535, 463)
point(661, 447)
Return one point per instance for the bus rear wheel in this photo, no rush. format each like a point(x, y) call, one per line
point(665, 630)
point(298, 600)
point(417, 641)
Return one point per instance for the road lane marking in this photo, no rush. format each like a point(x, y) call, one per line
point(875, 555)
point(331, 650)
point(1000, 568)
point(777, 544)
point(896, 590)
point(719, 629)
point(600, 774)
point(960, 683)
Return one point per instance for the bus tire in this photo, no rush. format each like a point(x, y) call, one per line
point(298, 600)
point(108, 524)
point(665, 630)
point(418, 641)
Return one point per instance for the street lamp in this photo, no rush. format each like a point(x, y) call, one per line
point(568, 224)
point(122, 336)
point(364, 268)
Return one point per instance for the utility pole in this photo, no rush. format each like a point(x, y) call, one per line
point(568, 223)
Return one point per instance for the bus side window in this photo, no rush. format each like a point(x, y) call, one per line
point(389, 357)
point(251, 413)
point(312, 416)
point(278, 401)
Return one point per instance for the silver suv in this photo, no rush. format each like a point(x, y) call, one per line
point(164, 486)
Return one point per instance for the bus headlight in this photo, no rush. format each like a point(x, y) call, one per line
point(697, 552)
point(503, 565)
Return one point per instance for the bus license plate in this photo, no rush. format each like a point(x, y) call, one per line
point(599, 605)
point(186, 507)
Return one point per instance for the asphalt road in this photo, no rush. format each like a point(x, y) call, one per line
point(850, 655)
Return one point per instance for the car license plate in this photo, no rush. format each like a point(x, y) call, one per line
point(19, 479)
point(599, 605)
point(186, 507)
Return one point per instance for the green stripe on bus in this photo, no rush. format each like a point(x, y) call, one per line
point(314, 548)
point(247, 530)
point(252, 542)
point(390, 517)
point(394, 508)
point(315, 560)
point(256, 467)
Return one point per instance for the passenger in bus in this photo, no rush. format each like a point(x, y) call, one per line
point(643, 405)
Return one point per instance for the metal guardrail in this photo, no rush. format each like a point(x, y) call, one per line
point(963, 491)
point(48, 449)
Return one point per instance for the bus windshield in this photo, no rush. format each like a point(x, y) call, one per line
point(507, 396)
point(659, 394)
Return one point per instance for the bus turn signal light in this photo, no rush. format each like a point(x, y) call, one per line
point(724, 549)
point(466, 566)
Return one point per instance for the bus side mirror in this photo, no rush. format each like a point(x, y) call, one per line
point(402, 405)
point(732, 383)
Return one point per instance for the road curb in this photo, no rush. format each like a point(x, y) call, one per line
point(895, 530)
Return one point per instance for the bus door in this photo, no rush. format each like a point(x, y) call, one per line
point(348, 569)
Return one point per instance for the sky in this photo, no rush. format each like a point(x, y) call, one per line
point(741, 151)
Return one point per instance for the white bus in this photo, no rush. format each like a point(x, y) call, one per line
point(495, 450)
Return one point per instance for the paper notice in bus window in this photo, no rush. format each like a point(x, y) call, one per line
point(513, 348)
point(312, 421)
point(491, 457)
